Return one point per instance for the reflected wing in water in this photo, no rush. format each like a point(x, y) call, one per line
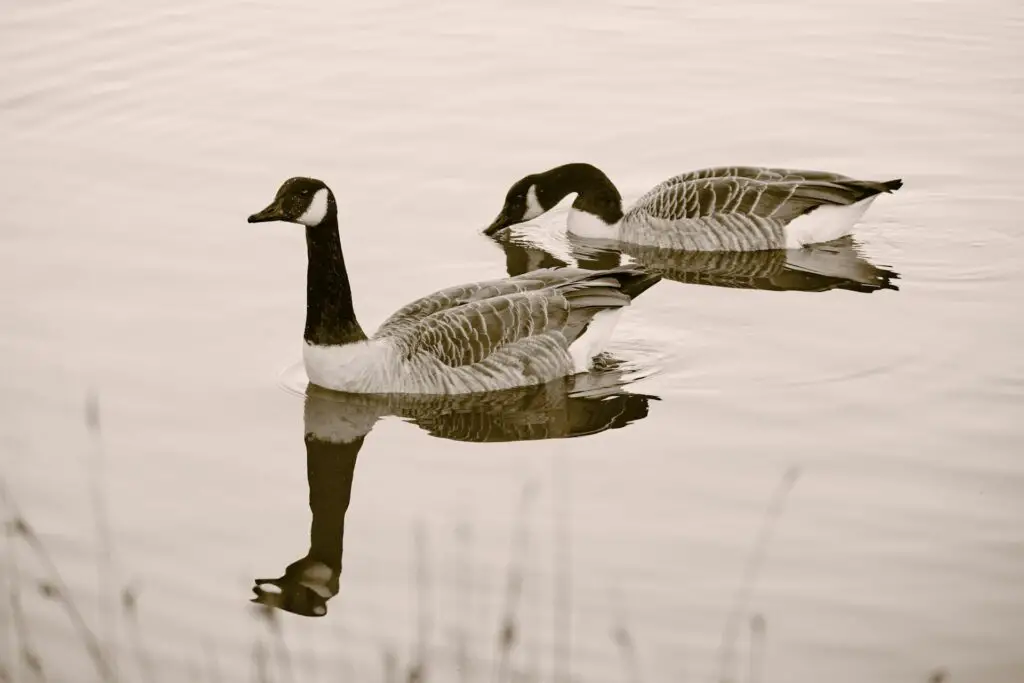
point(574, 406)
point(335, 426)
point(551, 411)
point(816, 268)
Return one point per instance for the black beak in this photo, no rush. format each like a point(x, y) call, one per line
point(502, 221)
point(271, 213)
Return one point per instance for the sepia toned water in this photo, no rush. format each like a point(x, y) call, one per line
point(801, 479)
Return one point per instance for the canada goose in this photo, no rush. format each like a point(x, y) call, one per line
point(714, 209)
point(481, 336)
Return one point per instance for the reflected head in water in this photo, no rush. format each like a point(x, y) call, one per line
point(336, 424)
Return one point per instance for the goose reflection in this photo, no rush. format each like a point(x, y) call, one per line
point(335, 426)
point(816, 268)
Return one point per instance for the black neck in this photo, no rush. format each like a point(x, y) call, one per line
point(330, 318)
point(595, 192)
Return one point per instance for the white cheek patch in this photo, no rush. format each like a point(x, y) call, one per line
point(533, 207)
point(317, 209)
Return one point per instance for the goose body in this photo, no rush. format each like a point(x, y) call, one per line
point(740, 208)
point(477, 337)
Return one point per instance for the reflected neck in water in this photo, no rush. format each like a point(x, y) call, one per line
point(309, 582)
point(330, 468)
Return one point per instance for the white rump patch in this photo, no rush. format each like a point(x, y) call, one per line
point(317, 209)
point(825, 223)
point(533, 207)
point(595, 339)
point(587, 224)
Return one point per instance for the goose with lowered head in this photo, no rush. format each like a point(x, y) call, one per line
point(738, 208)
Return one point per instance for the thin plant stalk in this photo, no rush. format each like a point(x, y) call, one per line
point(105, 576)
point(751, 571)
point(61, 593)
point(561, 643)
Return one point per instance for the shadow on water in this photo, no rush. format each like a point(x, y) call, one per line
point(336, 424)
point(816, 268)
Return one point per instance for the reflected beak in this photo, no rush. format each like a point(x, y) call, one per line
point(502, 221)
point(271, 213)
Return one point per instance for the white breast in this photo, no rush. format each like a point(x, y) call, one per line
point(587, 224)
point(361, 367)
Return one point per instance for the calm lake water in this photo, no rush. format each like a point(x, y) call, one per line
point(792, 486)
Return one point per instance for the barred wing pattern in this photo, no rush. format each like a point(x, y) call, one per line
point(506, 333)
point(759, 173)
point(407, 317)
point(735, 209)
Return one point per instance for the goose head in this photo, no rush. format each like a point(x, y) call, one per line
point(522, 203)
point(597, 199)
point(306, 201)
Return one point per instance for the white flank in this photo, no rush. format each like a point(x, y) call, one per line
point(533, 207)
point(825, 223)
point(317, 209)
point(588, 225)
point(594, 340)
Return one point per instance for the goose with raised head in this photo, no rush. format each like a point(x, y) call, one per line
point(714, 209)
point(475, 337)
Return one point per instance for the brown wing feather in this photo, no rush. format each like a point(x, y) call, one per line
point(761, 173)
point(459, 295)
point(470, 332)
point(782, 200)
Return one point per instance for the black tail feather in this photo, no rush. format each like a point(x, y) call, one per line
point(633, 280)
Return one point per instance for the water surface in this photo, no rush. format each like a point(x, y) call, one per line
point(830, 481)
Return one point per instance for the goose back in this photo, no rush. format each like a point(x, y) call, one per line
point(738, 209)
